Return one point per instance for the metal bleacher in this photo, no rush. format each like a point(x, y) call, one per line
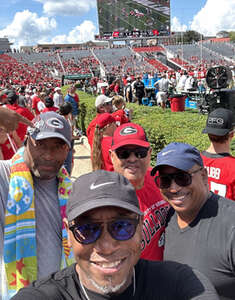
point(223, 48)
point(32, 58)
point(192, 51)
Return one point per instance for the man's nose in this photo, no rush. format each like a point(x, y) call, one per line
point(49, 153)
point(132, 157)
point(174, 187)
point(106, 244)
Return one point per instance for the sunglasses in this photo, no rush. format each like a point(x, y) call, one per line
point(124, 153)
point(181, 179)
point(108, 103)
point(120, 230)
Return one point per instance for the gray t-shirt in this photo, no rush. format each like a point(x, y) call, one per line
point(207, 244)
point(48, 221)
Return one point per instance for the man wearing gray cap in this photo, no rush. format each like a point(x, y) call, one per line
point(34, 187)
point(217, 158)
point(104, 224)
point(200, 229)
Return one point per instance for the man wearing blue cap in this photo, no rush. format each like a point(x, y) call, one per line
point(201, 226)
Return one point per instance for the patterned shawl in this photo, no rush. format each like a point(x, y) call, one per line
point(20, 249)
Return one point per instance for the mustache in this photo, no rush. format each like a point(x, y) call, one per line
point(47, 163)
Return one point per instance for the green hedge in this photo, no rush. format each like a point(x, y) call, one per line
point(162, 127)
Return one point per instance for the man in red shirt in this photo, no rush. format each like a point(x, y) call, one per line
point(130, 155)
point(102, 104)
point(23, 111)
point(217, 159)
point(35, 100)
point(15, 140)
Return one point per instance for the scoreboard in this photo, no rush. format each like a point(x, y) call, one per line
point(130, 18)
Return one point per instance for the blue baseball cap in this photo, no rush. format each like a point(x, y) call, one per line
point(178, 155)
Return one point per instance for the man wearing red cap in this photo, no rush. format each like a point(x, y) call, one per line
point(130, 155)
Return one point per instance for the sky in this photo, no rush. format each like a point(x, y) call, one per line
point(32, 22)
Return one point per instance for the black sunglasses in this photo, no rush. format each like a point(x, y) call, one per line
point(120, 230)
point(181, 178)
point(108, 103)
point(124, 153)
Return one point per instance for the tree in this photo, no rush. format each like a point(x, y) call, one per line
point(232, 36)
point(191, 36)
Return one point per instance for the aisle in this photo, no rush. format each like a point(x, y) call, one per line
point(82, 160)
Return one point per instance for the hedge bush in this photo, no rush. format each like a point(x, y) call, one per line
point(162, 127)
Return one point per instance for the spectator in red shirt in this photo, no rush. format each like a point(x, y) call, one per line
point(103, 104)
point(105, 127)
point(10, 143)
point(117, 87)
point(49, 103)
point(38, 102)
point(23, 111)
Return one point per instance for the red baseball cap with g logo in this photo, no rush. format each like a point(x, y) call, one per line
point(129, 134)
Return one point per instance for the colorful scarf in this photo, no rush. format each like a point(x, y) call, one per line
point(20, 251)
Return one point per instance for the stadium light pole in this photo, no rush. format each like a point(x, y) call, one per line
point(201, 49)
point(182, 48)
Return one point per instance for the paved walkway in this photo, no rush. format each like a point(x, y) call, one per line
point(82, 158)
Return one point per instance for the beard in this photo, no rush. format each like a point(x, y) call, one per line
point(109, 288)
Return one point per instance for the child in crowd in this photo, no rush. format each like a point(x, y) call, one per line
point(121, 114)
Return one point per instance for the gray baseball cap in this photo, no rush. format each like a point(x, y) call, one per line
point(51, 125)
point(219, 122)
point(101, 188)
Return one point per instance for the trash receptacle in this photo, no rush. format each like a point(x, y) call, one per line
point(145, 101)
point(177, 102)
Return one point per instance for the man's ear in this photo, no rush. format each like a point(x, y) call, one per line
point(205, 175)
point(111, 153)
point(231, 134)
point(69, 232)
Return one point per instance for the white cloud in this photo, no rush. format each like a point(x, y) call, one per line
point(215, 16)
point(67, 7)
point(177, 26)
point(28, 29)
point(82, 33)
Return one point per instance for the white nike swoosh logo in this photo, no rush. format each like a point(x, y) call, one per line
point(165, 153)
point(93, 186)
